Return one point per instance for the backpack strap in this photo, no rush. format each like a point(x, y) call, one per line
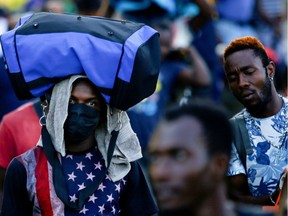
point(37, 107)
point(241, 138)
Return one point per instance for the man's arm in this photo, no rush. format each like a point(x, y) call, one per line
point(199, 74)
point(16, 200)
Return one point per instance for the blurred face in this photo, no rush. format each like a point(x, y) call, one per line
point(248, 78)
point(179, 167)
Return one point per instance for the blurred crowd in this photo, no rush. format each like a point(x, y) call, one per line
point(206, 25)
point(193, 36)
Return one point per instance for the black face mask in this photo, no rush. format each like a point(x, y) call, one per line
point(80, 123)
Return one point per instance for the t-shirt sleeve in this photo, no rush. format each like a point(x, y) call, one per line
point(137, 198)
point(16, 200)
point(235, 165)
point(7, 143)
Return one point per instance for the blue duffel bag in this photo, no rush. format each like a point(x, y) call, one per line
point(121, 58)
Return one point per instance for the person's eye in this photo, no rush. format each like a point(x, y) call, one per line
point(249, 71)
point(153, 158)
point(180, 155)
point(93, 104)
point(232, 78)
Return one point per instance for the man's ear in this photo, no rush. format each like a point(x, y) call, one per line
point(271, 69)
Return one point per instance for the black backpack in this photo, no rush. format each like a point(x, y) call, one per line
point(241, 137)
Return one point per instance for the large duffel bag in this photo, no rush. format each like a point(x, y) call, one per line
point(121, 58)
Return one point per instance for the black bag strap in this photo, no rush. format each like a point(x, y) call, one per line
point(37, 107)
point(58, 175)
point(241, 138)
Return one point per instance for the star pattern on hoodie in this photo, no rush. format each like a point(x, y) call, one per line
point(90, 176)
point(80, 166)
point(84, 210)
point(71, 176)
point(73, 198)
point(81, 170)
point(92, 198)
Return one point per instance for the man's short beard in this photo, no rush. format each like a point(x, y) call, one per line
point(264, 96)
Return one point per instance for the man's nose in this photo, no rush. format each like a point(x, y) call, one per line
point(243, 80)
point(160, 170)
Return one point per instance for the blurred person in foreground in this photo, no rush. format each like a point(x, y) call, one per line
point(256, 164)
point(190, 152)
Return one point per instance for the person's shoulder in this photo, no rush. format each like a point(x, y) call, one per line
point(240, 114)
point(30, 155)
point(23, 108)
point(24, 111)
point(285, 99)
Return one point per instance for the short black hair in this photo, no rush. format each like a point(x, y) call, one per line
point(246, 43)
point(213, 119)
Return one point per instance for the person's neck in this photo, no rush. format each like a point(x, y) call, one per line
point(216, 204)
point(268, 109)
point(85, 145)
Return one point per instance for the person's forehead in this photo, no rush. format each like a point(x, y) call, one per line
point(83, 86)
point(185, 132)
point(242, 58)
point(83, 82)
point(247, 54)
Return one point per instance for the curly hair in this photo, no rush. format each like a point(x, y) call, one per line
point(245, 43)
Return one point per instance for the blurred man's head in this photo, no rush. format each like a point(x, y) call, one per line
point(88, 7)
point(189, 156)
point(157, 18)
